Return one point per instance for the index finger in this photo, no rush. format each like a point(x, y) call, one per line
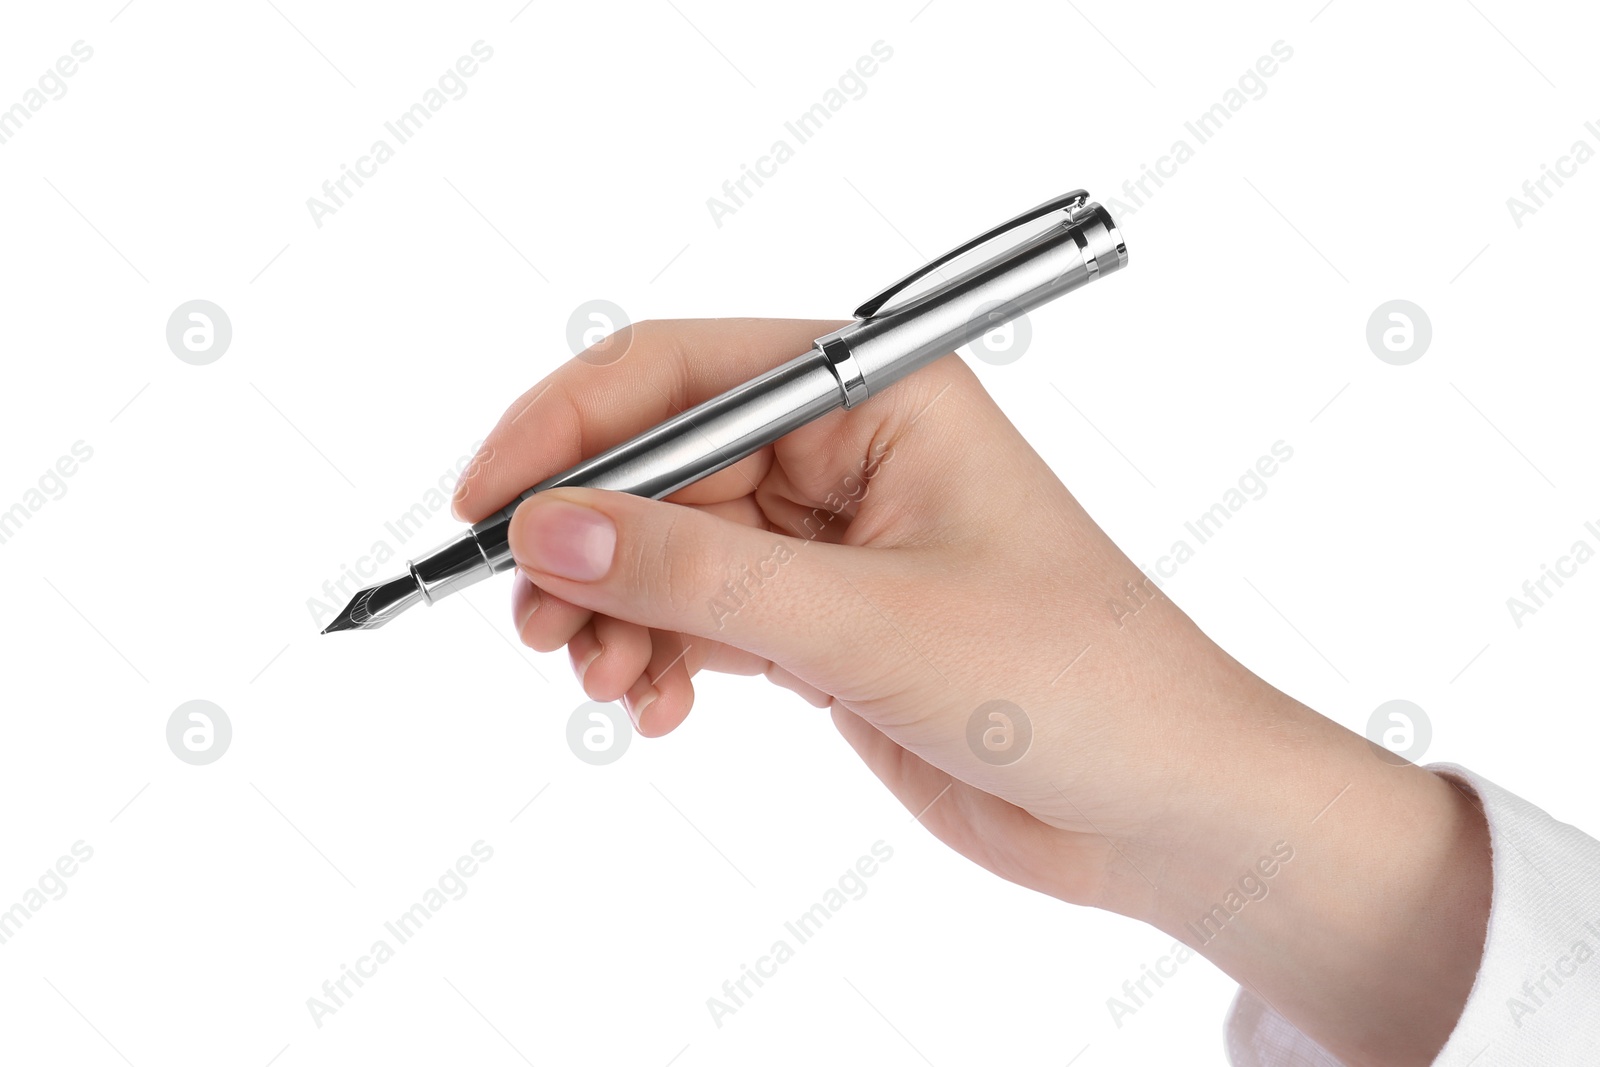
point(584, 408)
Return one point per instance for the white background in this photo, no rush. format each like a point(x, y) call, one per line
point(180, 561)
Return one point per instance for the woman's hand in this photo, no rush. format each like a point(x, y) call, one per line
point(913, 565)
point(907, 563)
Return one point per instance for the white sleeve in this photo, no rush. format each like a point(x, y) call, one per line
point(1536, 1000)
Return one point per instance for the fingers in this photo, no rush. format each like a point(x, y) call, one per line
point(660, 699)
point(583, 408)
point(682, 570)
point(544, 622)
point(653, 669)
point(622, 653)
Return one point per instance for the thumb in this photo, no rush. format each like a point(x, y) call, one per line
point(678, 568)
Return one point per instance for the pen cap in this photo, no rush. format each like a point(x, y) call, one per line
point(990, 280)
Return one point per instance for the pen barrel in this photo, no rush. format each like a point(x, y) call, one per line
point(687, 447)
point(893, 343)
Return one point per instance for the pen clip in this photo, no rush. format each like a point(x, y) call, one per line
point(1070, 203)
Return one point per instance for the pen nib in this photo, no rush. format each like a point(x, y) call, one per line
point(370, 608)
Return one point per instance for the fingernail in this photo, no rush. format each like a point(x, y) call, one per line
point(566, 540)
point(636, 706)
point(582, 666)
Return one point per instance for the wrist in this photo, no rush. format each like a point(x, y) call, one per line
point(1348, 893)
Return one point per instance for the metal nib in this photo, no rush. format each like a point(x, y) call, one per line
point(376, 605)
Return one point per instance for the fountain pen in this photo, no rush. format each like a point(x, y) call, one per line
point(967, 292)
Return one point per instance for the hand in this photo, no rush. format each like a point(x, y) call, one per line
point(905, 563)
point(912, 564)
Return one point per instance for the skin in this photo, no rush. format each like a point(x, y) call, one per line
point(883, 571)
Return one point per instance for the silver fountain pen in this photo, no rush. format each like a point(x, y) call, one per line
point(969, 291)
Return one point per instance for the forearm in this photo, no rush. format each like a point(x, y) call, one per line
point(1349, 894)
